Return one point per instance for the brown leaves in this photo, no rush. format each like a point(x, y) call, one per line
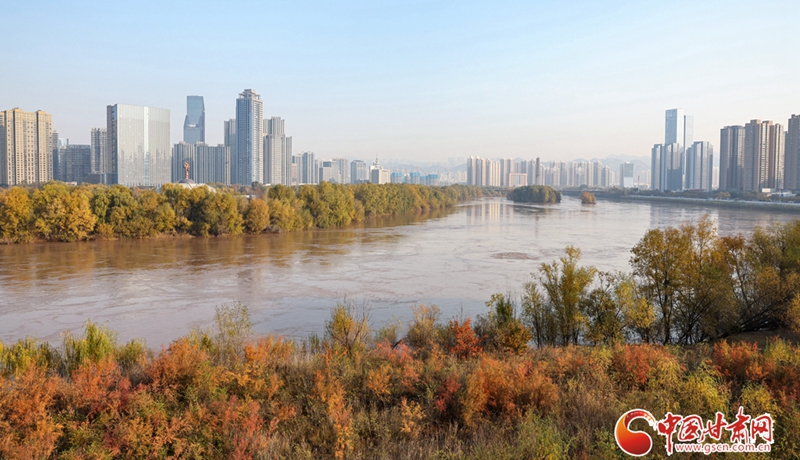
point(27, 423)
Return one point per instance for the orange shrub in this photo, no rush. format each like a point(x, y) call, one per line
point(330, 392)
point(405, 370)
point(183, 365)
point(741, 362)
point(446, 401)
point(461, 339)
point(634, 366)
point(27, 427)
point(506, 388)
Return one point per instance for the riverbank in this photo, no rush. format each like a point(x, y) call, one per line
point(741, 204)
point(709, 202)
point(360, 393)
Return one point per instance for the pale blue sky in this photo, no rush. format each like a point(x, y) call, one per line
point(413, 79)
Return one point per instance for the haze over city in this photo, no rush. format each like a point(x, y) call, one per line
point(411, 79)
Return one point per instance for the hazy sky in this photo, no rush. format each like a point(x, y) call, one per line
point(413, 79)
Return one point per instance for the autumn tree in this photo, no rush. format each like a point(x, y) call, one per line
point(16, 215)
point(706, 292)
point(256, 218)
point(501, 328)
point(659, 262)
point(63, 213)
point(114, 208)
point(765, 276)
point(557, 311)
point(348, 328)
point(218, 215)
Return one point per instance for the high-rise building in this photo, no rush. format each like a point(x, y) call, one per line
point(699, 163)
point(679, 129)
point(626, 175)
point(756, 155)
point(207, 163)
point(26, 147)
point(483, 172)
point(138, 140)
point(657, 180)
point(194, 126)
point(792, 156)
point(673, 127)
point(229, 132)
point(672, 165)
point(277, 153)
point(101, 158)
point(77, 163)
point(776, 153)
point(378, 175)
point(688, 132)
point(343, 166)
point(506, 168)
point(359, 173)
point(731, 158)
point(308, 169)
point(328, 171)
point(296, 160)
point(249, 139)
point(59, 145)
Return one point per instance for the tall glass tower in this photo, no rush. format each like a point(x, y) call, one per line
point(138, 141)
point(194, 127)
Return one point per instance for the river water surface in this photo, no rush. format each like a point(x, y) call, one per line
point(159, 289)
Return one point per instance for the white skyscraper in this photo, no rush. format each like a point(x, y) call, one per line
point(699, 164)
point(138, 140)
point(249, 138)
point(359, 172)
point(277, 153)
point(308, 171)
point(763, 142)
point(657, 180)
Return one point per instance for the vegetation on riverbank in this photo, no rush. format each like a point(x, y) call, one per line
point(454, 389)
point(534, 194)
point(588, 198)
point(61, 212)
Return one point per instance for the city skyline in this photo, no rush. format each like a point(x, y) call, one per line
point(513, 80)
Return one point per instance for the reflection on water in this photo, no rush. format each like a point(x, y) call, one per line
point(160, 288)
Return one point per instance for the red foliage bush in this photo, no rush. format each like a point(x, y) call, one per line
point(463, 342)
point(741, 363)
point(27, 427)
point(634, 365)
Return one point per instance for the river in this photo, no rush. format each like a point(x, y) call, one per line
point(159, 289)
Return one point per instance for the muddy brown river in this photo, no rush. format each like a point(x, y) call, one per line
point(159, 289)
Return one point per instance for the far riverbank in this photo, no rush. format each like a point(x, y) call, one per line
point(704, 202)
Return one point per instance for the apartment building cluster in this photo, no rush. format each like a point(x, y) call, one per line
point(134, 149)
point(681, 163)
point(512, 173)
point(760, 156)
